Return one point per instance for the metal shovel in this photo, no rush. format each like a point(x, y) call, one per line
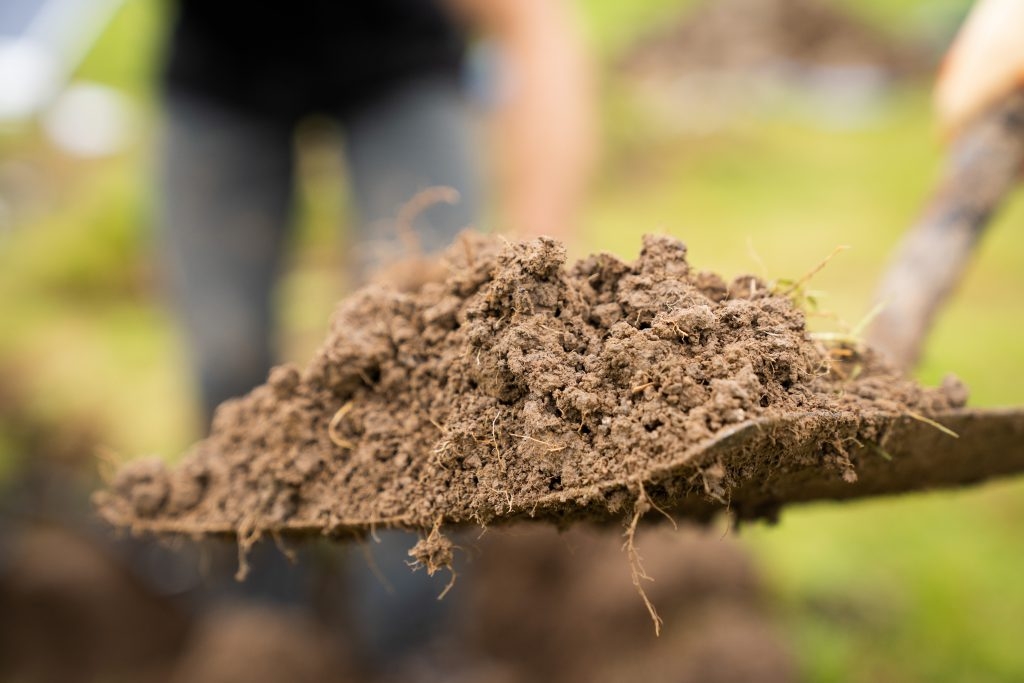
point(756, 467)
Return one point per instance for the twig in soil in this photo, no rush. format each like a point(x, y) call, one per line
point(636, 567)
point(332, 427)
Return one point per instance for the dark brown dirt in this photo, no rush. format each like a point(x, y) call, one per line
point(250, 643)
point(542, 606)
point(548, 606)
point(514, 386)
point(72, 613)
point(745, 35)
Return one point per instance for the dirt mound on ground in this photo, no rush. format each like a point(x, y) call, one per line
point(541, 606)
point(515, 387)
point(72, 613)
point(566, 599)
point(752, 35)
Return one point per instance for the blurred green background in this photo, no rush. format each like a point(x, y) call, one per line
point(919, 588)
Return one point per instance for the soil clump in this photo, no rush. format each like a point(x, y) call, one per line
point(515, 386)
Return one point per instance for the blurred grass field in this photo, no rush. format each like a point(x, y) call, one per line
point(920, 588)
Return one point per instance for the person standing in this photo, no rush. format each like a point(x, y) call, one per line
point(239, 77)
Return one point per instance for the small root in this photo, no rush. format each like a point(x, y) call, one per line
point(435, 552)
point(664, 513)
point(884, 454)
point(552, 448)
point(713, 477)
point(636, 567)
point(497, 448)
point(932, 423)
point(332, 427)
point(243, 564)
point(506, 494)
point(248, 535)
point(448, 586)
point(417, 204)
point(289, 553)
point(371, 563)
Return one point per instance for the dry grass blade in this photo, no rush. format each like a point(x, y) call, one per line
point(813, 271)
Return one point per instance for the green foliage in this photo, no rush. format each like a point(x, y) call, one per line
point(125, 56)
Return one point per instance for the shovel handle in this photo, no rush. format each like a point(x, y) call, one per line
point(983, 165)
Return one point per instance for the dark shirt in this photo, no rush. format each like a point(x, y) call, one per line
point(289, 59)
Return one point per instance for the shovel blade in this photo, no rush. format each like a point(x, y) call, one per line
point(758, 467)
point(783, 459)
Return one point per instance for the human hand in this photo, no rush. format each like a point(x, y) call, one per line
point(985, 63)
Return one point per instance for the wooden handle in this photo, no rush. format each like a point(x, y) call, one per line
point(983, 166)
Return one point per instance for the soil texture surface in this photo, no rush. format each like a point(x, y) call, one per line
point(513, 385)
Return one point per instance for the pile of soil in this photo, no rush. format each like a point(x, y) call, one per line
point(753, 35)
point(512, 386)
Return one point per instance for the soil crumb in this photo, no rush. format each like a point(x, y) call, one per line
point(512, 385)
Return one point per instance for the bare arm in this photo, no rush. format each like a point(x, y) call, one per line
point(544, 126)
